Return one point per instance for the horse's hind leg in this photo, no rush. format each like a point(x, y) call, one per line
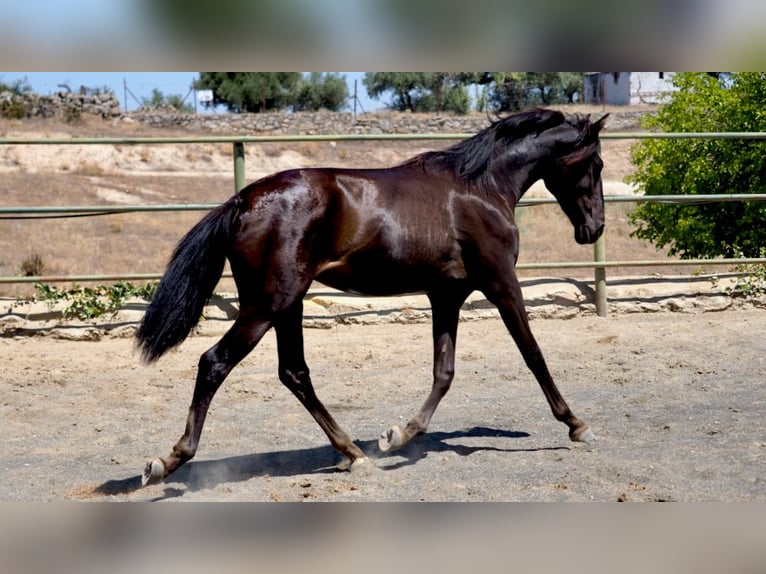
point(445, 311)
point(214, 366)
point(294, 374)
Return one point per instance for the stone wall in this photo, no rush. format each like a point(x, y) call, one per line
point(66, 105)
point(306, 123)
point(319, 123)
point(69, 106)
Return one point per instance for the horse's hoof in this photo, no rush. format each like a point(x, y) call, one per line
point(585, 436)
point(362, 466)
point(154, 473)
point(392, 439)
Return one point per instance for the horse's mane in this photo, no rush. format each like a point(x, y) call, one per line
point(470, 160)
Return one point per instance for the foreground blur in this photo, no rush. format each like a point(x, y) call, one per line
point(384, 34)
point(382, 538)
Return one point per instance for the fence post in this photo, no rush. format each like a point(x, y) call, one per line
point(599, 256)
point(239, 166)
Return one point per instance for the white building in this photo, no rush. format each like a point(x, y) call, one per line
point(623, 88)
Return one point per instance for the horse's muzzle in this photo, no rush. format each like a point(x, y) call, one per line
point(584, 234)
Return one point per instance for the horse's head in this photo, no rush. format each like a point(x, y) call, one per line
point(574, 178)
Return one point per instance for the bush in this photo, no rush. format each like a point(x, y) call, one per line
point(93, 302)
point(752, 282)
point(13, 109)
point(32, 266)
point(705, 103)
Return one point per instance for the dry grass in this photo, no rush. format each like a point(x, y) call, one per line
point(108, 244)
point(142, 242)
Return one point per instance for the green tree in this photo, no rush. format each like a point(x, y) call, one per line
point(318, 91)
point(705, 103)
point(274, 91)
point(421, 91)
point(251, 91)
point(159, 99)
point(512, 91)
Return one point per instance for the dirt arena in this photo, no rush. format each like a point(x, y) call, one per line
point(675, 398)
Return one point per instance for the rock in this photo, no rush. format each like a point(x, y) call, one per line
point(77, 333)
point(676, 304)
point(713, 303)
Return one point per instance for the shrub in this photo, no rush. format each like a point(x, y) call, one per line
point(698, 166)
point(32, 266)
point(93, 302)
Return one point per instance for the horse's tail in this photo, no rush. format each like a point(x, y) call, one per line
point(191, 275)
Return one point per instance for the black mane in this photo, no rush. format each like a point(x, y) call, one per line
point(470, 160)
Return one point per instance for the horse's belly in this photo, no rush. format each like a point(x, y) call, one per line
point(382, 276)
point(370, 281)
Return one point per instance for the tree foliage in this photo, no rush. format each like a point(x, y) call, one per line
point(319, 91)
point(420, 91)
point(274, 91)
point(159, 99)
point(250, 91)
point(705, 103)
point(448, 91)
point(512, 91)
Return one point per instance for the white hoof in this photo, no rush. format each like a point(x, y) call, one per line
point(362, 466)
point(586, 436)
point(154, 473)
point(392, 439)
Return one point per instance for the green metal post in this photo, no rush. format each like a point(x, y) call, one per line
point(599, 256)
point(239, 166)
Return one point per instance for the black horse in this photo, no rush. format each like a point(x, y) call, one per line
point(441, 223)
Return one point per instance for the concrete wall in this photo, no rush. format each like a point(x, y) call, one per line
point(611, 88)
point(649, 87)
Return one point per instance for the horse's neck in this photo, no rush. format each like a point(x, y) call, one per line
point(518, 180)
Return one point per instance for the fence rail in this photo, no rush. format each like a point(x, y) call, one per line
point(31, 212)
point(599, 264)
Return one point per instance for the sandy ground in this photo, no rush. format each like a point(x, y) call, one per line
point(676, 399)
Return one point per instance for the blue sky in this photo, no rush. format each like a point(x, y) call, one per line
point(141, 84)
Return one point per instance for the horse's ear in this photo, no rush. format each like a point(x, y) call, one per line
point(598, 125)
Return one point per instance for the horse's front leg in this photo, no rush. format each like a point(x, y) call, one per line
point(445, 310)
point(508, 298)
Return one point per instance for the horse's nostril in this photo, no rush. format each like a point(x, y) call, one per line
point(584, 234)
point(599, 232)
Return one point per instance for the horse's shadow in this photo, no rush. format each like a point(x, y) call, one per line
point(198, 475)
